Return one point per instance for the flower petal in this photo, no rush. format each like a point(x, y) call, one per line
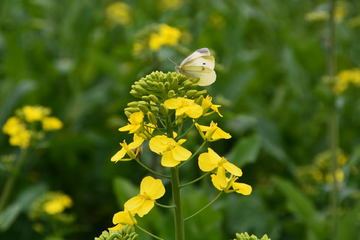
point(168, 160)
point(145, 208)
point(242, 188)
point(157, 145)
point(221, 177)
point(180, 154)
point(206, 164)
point(134, 203)
point(119, 155)
point(194, 111)
point(231, 168)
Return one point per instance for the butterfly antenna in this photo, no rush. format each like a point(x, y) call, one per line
point(172, 61)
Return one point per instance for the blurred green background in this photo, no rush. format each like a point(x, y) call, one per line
point(78, 58)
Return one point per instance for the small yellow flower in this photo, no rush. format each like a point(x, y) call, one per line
point(210, 161)
point(57, 205)
point(184, 106)
point(35, 113)
point(207, 104)
point(242, 188)
point(136, 120)
point(21, 139)
point(119, 13)
point(13, 126)
point(171, 151)
point(51, 124)
point(167, 36)
point(123, 218)
point(213, 132)
point(150, 190)
point(128, 149)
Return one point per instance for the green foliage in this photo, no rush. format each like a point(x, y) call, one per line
point(270, 66)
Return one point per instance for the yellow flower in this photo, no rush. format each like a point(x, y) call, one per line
point(57, 205)
point(242, 188)
point(51, 124)
point(184, 106)
point(13, 126)
point(167, 36)
point(207, 104)
point(171, 151)
point(146, 130)
point(319, 15)
point(119, 13)
point(170, 4)
point(128, 149)
point(213, 132)
point(136, 120)
point(150, 190)
point(35, 113)
point(123, 218)
point(21, 139)
point(211, 160)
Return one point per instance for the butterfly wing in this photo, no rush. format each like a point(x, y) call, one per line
point(198, 53)
point(207, 75)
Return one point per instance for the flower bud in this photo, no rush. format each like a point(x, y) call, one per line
point(128, 114)
point(167, 85)
point(143, 108)
point(153, 98)
point(187, 83)
point(164, 109)
point(161, 86)
point(133, 104)
point(171, 93)
point(132, 109)
point(191, 93)
point(199, 100)
point(199, 93)
point(140, 89)
point(145, 98)
point(135, 93)
point(143, 84)
point(151, 118)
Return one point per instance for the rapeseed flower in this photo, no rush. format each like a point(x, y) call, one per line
point(184, 106)
point(213, 132)
point(136, 120)
point(171, 151)
point(123, 218)
point(207, 104)
point(242, 188)
point(167, 36)
point(150, 190)
point(128, 149)
point(51, 124)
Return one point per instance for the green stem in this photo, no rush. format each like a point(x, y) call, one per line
point(333, 131)
point(152, 171)
point(179, 218)
point(192, 156)
point(11, 179)
point(187, 131)
point(204, 207)
point(148, 232)
point(184, 185)
point(164, 206)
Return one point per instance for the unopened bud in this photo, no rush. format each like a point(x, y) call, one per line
point(153, 98)
point(171, 93)
point(164, 109)
point(143, 108)
point(151, 118)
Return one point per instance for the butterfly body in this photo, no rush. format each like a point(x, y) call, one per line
point(199, 65)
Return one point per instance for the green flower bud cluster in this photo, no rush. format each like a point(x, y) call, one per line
point(245, 236)
point(164, 86)
point(125, 233)
point(157, 87)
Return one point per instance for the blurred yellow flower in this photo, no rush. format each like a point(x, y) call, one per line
point(119, 13)
point(150, 190)
point(21, 139)
point(13, 126)
point(170, 4)
point(344, 78)
point(58, 204)
point(51, 124)
point(35, 113)
point(167, 36)
point(319, 15)
point(184, 106)
point(123, 218)
point(171, 151)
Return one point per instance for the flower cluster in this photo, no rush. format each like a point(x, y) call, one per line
point(314, 176)
point(17, 126)
point(167, 102)
point(152, 38)
point(118, 13)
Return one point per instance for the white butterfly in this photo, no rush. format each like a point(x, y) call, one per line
point(199, 65)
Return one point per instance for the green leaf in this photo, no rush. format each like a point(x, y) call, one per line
point(301, 206)
point(124, 190)
point(22, 202)
point(245, 151)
